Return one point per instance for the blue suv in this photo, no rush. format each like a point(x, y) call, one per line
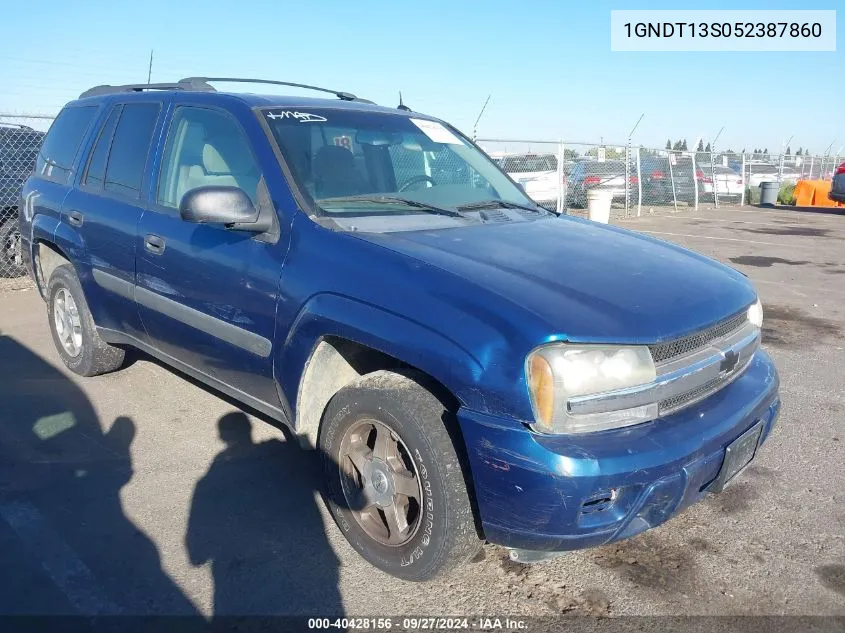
point(467, 365)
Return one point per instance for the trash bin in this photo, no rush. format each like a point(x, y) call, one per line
point(768, 193)
point(598, 205)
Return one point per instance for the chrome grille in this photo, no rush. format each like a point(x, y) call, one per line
point(682, 399)
point(666, 351)
point(670, 405)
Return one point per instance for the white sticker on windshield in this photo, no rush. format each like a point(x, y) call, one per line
point(437, 132)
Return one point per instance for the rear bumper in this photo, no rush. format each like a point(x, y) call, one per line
point(556, 493)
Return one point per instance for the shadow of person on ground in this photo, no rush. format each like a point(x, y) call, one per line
point(66, 545)
point(254, 517)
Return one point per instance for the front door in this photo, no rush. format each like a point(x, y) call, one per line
point(206, 294)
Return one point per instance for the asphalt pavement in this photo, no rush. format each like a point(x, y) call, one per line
point(143, 492)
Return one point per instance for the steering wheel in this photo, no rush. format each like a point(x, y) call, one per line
point(416, 179)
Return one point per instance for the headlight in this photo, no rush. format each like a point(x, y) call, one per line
point(559, 373)
point(755, 314)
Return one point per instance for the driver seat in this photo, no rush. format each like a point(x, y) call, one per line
point(335, 173)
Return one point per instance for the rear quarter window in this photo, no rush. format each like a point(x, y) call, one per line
point(55, 158)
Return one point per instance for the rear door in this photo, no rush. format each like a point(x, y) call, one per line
point(46, 189)
point(105, 208)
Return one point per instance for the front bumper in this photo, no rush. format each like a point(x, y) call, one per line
point(556, 493)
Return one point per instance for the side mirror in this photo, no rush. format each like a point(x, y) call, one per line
point(229, 206)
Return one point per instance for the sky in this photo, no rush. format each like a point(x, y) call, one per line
point(547, 65)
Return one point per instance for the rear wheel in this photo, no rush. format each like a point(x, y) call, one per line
point(394, 482)
point(74, 333)
point(11, 255)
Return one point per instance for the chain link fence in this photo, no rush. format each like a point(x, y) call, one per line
point(556, 174)
point(20, 138)
point(559, 174)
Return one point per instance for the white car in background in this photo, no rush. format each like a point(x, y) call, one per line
point(759, 173)
point(728, 182)
point(537, 173)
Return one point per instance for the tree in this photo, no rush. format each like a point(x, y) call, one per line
point(668, 143)
point(799, 152)
point(700, 147)
point(677, 145)
point(684, 145)
point(788, 150)
point(743, 150)
point(766, 151)
point(707, 149)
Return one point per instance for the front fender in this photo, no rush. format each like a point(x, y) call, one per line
point(393, 334)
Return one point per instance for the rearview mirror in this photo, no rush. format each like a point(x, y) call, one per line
point(229, 206)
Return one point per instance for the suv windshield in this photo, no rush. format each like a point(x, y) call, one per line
point(361, 163)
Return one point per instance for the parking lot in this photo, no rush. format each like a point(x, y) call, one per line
point(117, 494)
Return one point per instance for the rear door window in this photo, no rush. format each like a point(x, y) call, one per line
point(55, 159)
point(130, 148)
point(96, 173)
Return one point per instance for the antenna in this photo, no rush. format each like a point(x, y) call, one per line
point(475, 126)
point(401, 105)
point(150, 69)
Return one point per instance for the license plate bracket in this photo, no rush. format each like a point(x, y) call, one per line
point(738, 455)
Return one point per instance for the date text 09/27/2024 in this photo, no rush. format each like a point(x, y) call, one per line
point(419, 623)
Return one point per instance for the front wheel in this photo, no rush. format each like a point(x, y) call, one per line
point(394, 482)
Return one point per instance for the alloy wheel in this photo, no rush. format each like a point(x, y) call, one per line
point(380, 483)
point(67, 322)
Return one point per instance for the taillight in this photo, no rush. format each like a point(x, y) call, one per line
point(840, 169)
point(657, 175)
point(699, 175)
point(633, 180)
point(592, 180)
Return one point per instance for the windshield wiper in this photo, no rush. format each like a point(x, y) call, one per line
point(495, 204)
point(396, 200)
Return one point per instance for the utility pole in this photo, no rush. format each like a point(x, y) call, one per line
point(475, 126)
point(628, 170)
point(150, 69)
point(782, 160)
point(713, 178)
point(634, 129)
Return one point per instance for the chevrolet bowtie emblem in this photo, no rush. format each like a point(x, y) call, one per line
point(729, 362)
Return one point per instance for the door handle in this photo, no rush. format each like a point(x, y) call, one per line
point(154, 244)
point(75, 218)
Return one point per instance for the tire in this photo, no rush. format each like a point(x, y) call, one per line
point(94, 356)
point(11, 257)
point(441, 533)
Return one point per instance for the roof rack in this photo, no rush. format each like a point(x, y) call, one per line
point(201, 84)
point(17, 126)
point(345, 96)
point(182, 85)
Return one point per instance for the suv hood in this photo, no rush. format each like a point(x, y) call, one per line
point(586, 281)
